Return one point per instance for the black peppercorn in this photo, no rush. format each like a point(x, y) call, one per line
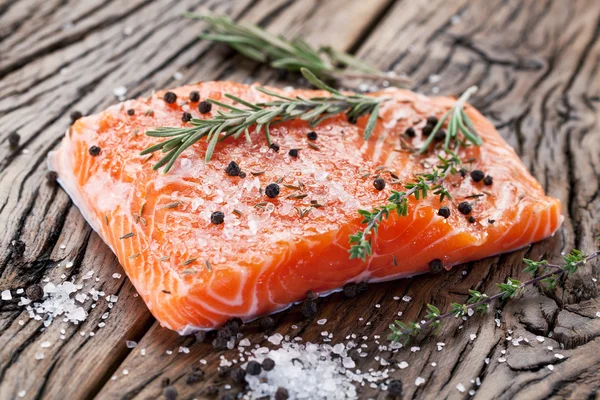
point(253, 368)
point(379, 183)
point(94, 151)
point(194, 96)
point(18, 248)
point(225, 332)
point(395, 388)
point(488, 181)
point(308, 309)
point(440, 135)
point(463, 172)
point(75, 115)
point(268, 364)
point(350, 289)
point(293, 152)
point(51, 177)
point(444, 212)
point(465, 208)
point(217, 217)
point(238, 375)
point(477, 175)
point(267, 323)
point(13, 140)
point(233, 169)
point(427, 129)
point(281, 394)
point(34, 292)
point(166, 381)
point(170, 97)
point(436, 266)
point(204, 107)
point(274, 147)
point(472, 219)
point(186, 117)
point(432, 120)
point(272, 190)
point(242, 174)
point(131, 111)
point(234, 324)
point(170, 393)
point(312, 135)
point(410, 132)
point(220, 343)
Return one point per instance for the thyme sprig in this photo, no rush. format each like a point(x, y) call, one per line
point(480, 302)
point(459, 122)
point(292, 55)
point(398, 201)
point(237, 120)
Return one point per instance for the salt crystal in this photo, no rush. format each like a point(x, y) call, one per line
point(130, 344)
point(497, 322)
point(460, 387)
point(125, 372)
point(347, 362)
point(178, 76)
point(550, 367)
point(44, 345)
point(434, 78)
point(6, 295)
point(406, 298)
point(403, 365)
point(472, 336)
point(470, 312)
point(419, 381)
point(434, 364)
point(169, 352)
point(244, 343)
point(414, 349)
point(502, 359)
point(338, 348)
point(377, 305)
point(322, 321)
point(487, 361)
point(559, 356)
point(184, 350)
point(598, 314)
point(21, 393)
point(69, 264)
point(472, 392)
point(275, 338)
point(540, 339)
point(120, 92)
point(20, 290)
point(39, 355)
point(116, 275)
point(396, 297)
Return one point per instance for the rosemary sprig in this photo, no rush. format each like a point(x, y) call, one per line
point(480, 302)
point(237, 120)
point(292, 55)
point(398, 201)
point(459, 122)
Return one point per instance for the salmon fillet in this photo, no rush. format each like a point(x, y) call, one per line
point(268, 253)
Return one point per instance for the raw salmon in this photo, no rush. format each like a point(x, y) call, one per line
point(269, 252)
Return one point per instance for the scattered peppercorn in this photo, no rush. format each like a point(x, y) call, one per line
point(170, 393)
point(238, 375)
point(267, 323)
point(427, 129)
point(94, 151)
point(281, 393)
point(170, 97)
point(354, 355)
point(436, 266)
point(51, 177)
point(274, 147)
point(34, 292)
point(194, 96)
point(350, 289)
point(477, 175)
point(395, 388)
point(432, 120)
point(233, 169)
point(195, 376)
point(75, 115)
point(272, 190)
point(253, 368)
point(491, 221)
point(131, 111)
point(212, 391)
point(463, 172)
point(309, 308)
point(472, 219)
point(465, 208)
point(312, 135)
point(217, 217)
point(18, 248)
point(186, 117)
point(440, 135)
point(410, 132)
point(13, 140)
point(379, 183)
point(242, 174)
point(220, 343)
point(166, 381)
point(444, 212)
point(225, 332)
point(293, 152)
point(488, 181)
point(204, 107)
point(268, 364)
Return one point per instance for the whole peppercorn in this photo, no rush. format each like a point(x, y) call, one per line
point(308, 309)
point(217, 217)
point(410, 132)
point(194, 96)
point(436, 266)
point(18, 248)
point(94, 151)
point(186, 117)
point(204, 107)
point(477, 175)
point(312, 135)
point(242, 174)
point(472, 219)
point(234, 324)
point(272, 190)
point(170, 97)
point(220, 344)
point(253, 368)
point(281, 394)
point(465, 208)
point(51, 177)
point(432, 120)
point(170, 393)
point(488, 181)
point(267, 323)
point(350, 289)
point(131, 111)
point(427, 129)
point(233, 169)
point(34, 292)
point(444, 212)
point(463, 172)
point(13, 140)
point(75, 115)
point(440, 135)
point(238, 375)
point(268, 364)
point(274, 147)
point(293, 152)
point(379, 183)
point(395, 388)
point(166, 381)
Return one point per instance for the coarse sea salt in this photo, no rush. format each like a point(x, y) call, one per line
point(6, 295)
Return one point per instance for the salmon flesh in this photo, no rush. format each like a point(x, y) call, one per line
point(269, 252)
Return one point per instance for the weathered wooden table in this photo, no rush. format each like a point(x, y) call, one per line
point(538, 66)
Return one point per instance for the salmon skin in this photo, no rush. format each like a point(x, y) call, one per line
point(269, 252)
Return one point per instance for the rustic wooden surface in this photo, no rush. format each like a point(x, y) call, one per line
point(537, 64)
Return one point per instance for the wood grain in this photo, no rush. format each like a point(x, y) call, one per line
point(536, 64)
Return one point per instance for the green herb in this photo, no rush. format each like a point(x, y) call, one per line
point(480, 302)
point(237, 121)
point(398, 201)
point(292, 55)
point(459, 122)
